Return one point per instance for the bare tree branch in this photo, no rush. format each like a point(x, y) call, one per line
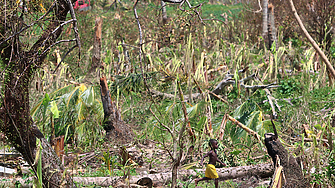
point(75, 27)
point(58, 42)
point(28, 26)
point(311, 40)
point(228, 80)
point(173, 1)
point(162, 124)
point(70, 50)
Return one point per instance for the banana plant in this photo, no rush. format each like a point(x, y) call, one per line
point(251, 116)
point(130, 83)
point(64, 111)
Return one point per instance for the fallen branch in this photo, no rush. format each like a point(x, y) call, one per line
point(250, 131)
point(309, 140)
point(167, 95)
point(222, 127)
point(88, 157)
point(261, 170)
point(228, 80)
point(220, 98)
point(271, 100)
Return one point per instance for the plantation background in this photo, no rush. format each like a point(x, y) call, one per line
point(191, 54)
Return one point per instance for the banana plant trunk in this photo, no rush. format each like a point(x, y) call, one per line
point(111, 113)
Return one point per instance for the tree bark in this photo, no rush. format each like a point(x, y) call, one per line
point(116, 129)
point(292, 171)
point(96, 59)
point(271, 27)
point(16, 122)
point(265, 19)
point(260, 170)
point(164, 14)
point(174, 174)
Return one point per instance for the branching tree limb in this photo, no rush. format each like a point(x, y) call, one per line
point(311, 40)
point(19, 65)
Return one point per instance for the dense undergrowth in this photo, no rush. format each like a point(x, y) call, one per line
point(198, 56)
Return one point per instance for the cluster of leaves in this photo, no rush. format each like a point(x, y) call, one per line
point(66, 111)
point(289, 87)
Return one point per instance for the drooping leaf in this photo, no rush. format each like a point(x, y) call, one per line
point(61, 90)
point(249, 115)
point(254, 120)
point(244, 110)
point(80, 130)
point(196, 109)
point(70, 95)
point(82, 87)
point(54, 109)
point(45, 103)
point(80, 111)
point(201, 123)
point(88, 96)
point(66, 132)
point(99, 111)
point(35, 108)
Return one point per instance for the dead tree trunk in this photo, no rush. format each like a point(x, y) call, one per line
point(292, 171)
point(19, 65)
point(260, 170)
point(115, 128)
point(96, 59)
point(271, 27)
point(265, 20)
point(164, 14)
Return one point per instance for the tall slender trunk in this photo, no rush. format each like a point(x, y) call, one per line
point(164, 14)
point(96, 55)
point(271, 27)
point(265, 20)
